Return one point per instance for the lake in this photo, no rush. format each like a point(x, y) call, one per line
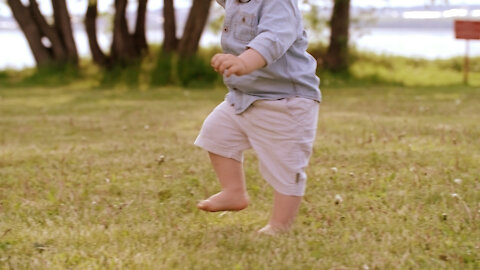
point(422, 43)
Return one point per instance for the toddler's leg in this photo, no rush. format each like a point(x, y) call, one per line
point(285, 209)
point(233, 196)
point(282, 133)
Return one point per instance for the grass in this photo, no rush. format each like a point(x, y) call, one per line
point(109, 179)
point(414, 72)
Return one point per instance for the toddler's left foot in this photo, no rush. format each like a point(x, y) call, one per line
point(224, 201)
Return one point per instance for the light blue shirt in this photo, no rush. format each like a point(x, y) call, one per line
point(274, 28)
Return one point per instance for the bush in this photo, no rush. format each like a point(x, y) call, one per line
point(162, 72)
point(195, 72)
point(122, 74)
point(4, 77)
point(52, 75)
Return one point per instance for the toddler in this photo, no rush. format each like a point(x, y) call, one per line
point(271, 106)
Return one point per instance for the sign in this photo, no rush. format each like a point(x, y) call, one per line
point(467, 29)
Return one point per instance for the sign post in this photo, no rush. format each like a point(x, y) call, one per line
point(467, 30)
point(466, 62)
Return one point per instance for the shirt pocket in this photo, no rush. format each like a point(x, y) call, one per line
point(244, 26)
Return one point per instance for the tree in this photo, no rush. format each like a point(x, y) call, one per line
point(91, 27)
point(139, 35)
point(50, 44)
point(190, 69)
point(125, 46)
point(336, 58)
point(197, 19)
point(169, 27)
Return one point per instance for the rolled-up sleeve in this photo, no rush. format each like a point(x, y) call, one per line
point(277, 30)
point(221, 2)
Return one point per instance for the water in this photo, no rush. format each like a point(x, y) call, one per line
point(419, 43)
point(423, 43)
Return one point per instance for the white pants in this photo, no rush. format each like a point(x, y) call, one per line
point(281, 132)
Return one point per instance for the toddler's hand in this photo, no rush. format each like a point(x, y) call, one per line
point(228, 64)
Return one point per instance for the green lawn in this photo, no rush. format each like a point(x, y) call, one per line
point(109, 179)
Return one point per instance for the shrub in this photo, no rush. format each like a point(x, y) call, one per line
point(195, 72)
point(52, 75)
point(162, 73)
point(122, 74)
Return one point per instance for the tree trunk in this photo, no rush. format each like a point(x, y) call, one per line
point(123, 49)
point(91, 27)
point(337, 53)
point(170, 41)
point(63, 27)
point(46, 31)
point(49, 44)
point(194, 27)
point(30, 29)
point(139, 37)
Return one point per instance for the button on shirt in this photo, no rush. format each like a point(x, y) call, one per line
point(274, 28)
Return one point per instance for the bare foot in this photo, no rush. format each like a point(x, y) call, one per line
point(224, 201)
point(272, 231)
point(285, 208)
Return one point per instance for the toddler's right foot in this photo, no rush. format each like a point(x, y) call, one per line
point(272, 231)
point(224, 201)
